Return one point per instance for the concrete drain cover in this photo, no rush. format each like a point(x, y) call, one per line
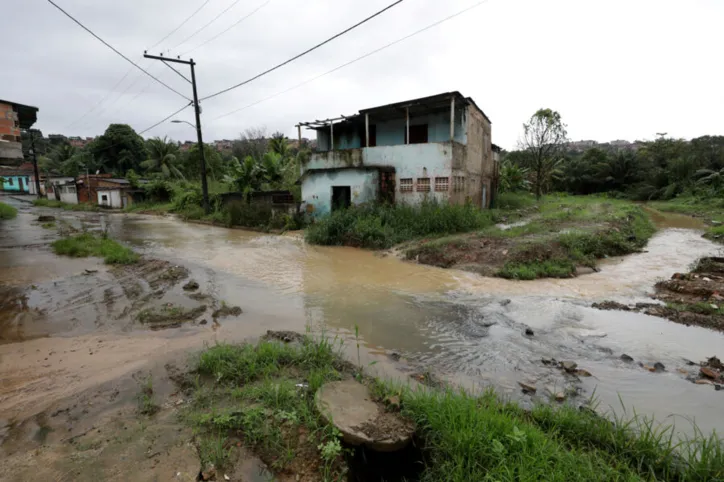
point(348, 405)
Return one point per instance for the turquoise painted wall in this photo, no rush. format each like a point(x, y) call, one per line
point(12, 183)
point(317, 187)
point(392, 132)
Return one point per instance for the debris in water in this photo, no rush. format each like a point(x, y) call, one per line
point(709, 373)
point(192, 285)
point(569, 366)
point(583, 373)
point(529, 332)
point(659, 367)
point(626, 358)
point(225, 311)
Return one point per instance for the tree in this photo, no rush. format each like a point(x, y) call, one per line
point(512, 177)
point(57, 158)
point(162, 157)
point(544, 138)
point(215, 168)
point(279, 144)
point(252, 142)
point(117, 150)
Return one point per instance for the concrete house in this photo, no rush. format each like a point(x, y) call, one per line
point(13, 118)
point(432, 148)
point(16, 179)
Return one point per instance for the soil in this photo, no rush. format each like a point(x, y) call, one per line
point(285, 336)
point(169, 316)
point(694, 298)
point(225, 311)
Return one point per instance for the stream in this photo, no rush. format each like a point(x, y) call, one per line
point(467, 329)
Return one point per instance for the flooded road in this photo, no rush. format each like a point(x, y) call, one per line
point(467, 328)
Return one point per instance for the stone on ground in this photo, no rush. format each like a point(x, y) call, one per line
point(569, 366)
point(348, 405)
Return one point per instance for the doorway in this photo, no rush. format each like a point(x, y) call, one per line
point(341, 197)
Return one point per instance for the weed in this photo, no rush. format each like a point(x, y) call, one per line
point(47, 225)
point(86, 244)
point(7, 211)
point(146, 403)
point(213, 451)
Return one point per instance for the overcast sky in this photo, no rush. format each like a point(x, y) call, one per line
point(614, 69)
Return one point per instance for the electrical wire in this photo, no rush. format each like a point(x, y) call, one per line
point(103, 99)
point(180, 25)
point(372, 52)
point(164, 119)
point(229, 28)
point(306, 51)
point(116, 51)
point(204, 27)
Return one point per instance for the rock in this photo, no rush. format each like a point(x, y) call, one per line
point(583, 373)
point(549, 361)
point(527, 388)
point(626, 358)
point(713, 306)
point(203, 322)
point(393, 402)
point(569, 366)
point(529, 332)
point(678, 276)
point(583, 270)
point(649, 368)
point(505, 302)
point(709, 373)
point(659, 367)
point(191, 286)
point(560, 397)
point(706, 279)
point(718, 387)
point(209, 473)
point(46, 219)
point(348, 405)
point(715, 363)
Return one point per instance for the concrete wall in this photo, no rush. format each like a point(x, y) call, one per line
point(113, 198)
point(392, 132)
point(479, 162)
point(11, 149)
point(12, 183)
point(317, 188)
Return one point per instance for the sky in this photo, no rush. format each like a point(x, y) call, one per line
point(614, 69)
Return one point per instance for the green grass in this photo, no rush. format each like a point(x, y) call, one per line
point(52, 203)
point(7, 211)
point(50, 225)
point(575, 231)
point(252, 392)
point(378, 226)
point(146, 403)
point(87, 244)
point(701, 308)
point(515, 200)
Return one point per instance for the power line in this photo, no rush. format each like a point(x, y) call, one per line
point(229, 28)
point(402, 39)
point(204, 27)
point(180, 25)
point(95, 106)
point(164, 119)
point(116, 51)
point(306, 51)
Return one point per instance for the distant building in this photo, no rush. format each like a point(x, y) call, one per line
point(186, 146)
point(224, 145)
point(13, 118)
point(432, 148)
point(16, 179)
point(80, 142)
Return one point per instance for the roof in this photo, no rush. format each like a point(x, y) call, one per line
point(27, 114)
point(432, 103)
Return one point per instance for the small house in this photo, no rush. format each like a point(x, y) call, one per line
point(432, 148)
point(66, 191)
point(16, 179)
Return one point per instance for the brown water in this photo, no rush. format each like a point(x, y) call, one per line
point(466, 327)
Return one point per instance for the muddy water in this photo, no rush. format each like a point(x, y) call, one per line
point(469, 328)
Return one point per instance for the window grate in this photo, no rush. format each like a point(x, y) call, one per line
point(406, 185)
point(423, 184)
point(442, 184)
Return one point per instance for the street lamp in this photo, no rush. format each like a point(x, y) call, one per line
point(183, 122)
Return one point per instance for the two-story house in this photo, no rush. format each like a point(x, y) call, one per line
point(433, 148)
point(13, 118)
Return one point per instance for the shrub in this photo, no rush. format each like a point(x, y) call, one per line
point(380, 226)
point(86, 244)
point(7, 211)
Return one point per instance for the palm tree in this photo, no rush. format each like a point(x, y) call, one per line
point(162, 157)
point(59, 156)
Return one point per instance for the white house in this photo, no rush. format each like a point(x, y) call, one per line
point(436, 147)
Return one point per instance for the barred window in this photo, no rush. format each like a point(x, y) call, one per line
point(442, 184)
point(406, 185)
point(423, 184)
point(458, 183)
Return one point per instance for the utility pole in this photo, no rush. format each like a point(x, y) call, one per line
point(197, 108)
point(35, 163)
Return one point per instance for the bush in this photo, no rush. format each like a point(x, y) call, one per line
point(86, 244)
point(514, 200)
point(379, 226)
point(7, 211)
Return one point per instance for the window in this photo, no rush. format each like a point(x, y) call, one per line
point(442, 184)
point(10, 181)
point(406, 185)
point(423, 184)
point(373, 135)
point(458, 183)
point(104, 198)
point(418, 134)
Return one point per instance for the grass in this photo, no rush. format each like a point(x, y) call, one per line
point(146, 403)
point(169, 314)
point(7, 211)
point(49, 225)
point(378, 226)
point(263, 395)
point(574, 231)
point(710, 208)
point(52, 203)
point(87, 244)
point(702, 308)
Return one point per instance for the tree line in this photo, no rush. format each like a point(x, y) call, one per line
point(660, 169)
point(256, 160)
